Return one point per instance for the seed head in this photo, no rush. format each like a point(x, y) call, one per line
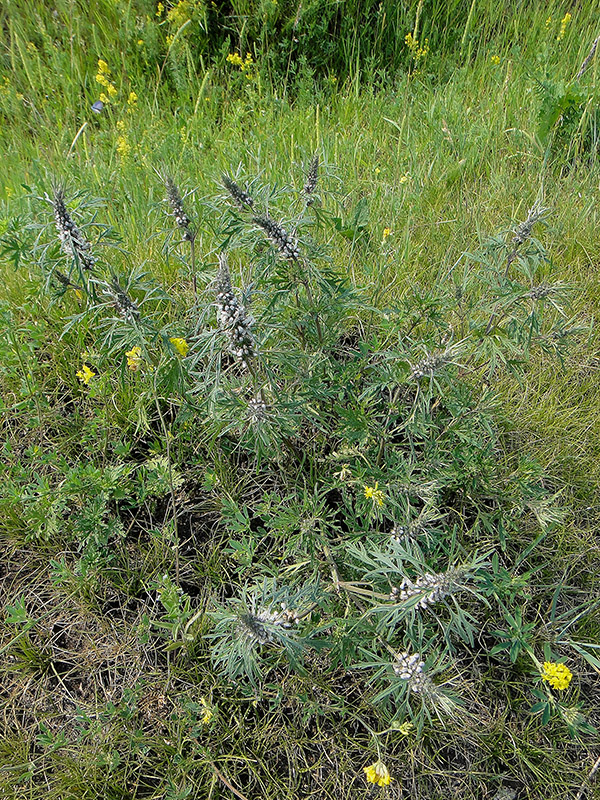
point(428, 589)
point(123, 303)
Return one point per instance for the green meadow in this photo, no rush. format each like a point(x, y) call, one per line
point(300, 418)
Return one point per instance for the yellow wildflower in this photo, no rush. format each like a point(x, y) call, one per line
point(377, 170)
point(549, 21)
point(140, 42)
point(387, 232)
point(378, 773)
point(132, 99)
point(236, 60)
point(134, 358)
point(85, 374)
point(558, 675)
point(563, 26)
point(208, 713)
point(123, 147)
point(159, 9)
point(120, 125)
point(180, 345)
point(104, 98)
point(404, 178)
point(103, 67)
point(495, 59)
point(111, 89)
point(375, 494)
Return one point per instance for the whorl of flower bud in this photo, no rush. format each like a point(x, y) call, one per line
point(430, 365)
point(428, 589)
point(312, 177)
point(257, 627)
point(73, 242)
point(286, 244)
point(241, 198)
point(523, 230)
point(232, 316)
point(123, 303)
point(409, 668)
point(175, 201)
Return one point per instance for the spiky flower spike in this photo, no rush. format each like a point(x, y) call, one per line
point(428, 589)
point(312, 177)
point(175, 201)
point(72, 240)
point(286, 244)
point(123, 303)
point(232, 316)
point(241, 198)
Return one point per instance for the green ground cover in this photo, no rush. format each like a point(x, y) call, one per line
point(244, 484)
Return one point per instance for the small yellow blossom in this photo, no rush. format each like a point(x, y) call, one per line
point(495, 59)
point(208, 713)
point(134, 358)
point(235, 59)
point(377, 170)
point(159, 9)
point(140, 42)
point(120, 125)
point(549, 22)
point(103, 68)
point(31, 48)
point(563, 26)
point(387, 232)
point(404, 178)
point(111, 89)
point(104, 98)
point(123, 147)
point(180, 345)
point(378, 773)
point(375, 494)
point(132, 99)
point(558, 675)
point(85, 374)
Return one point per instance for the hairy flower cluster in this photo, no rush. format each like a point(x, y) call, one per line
point(286, 244)
point(429, 588)
point(255, 627)
point(174, 199)
point(232, 316)
point(241, 198)
point(123, 303)
point(72, 240)
point(539, 292)
point(312, 176)
point(410, 668)
point(523, 230)
point(257, 410)
point(430, 365)
point(402, 533)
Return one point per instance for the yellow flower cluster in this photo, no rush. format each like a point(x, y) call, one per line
point(244, 65)
point(418, 50)
point(495, 59)
point(387, 232)
point(378, 773)
point(180, 345)
point(123, 146)
point(375, 494)
point(180, 13)
point(558, 675)
point(103, 77)
point(134, 358)
point(563, 26)
point(85, 374)
point(208, 713)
